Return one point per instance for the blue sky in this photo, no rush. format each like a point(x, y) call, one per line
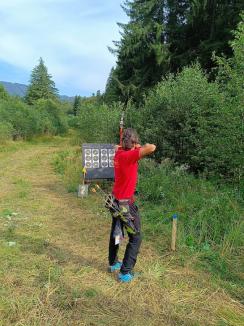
point(70, 35)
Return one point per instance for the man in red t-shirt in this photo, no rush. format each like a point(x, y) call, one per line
point(125, 170)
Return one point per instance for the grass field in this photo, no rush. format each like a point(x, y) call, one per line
point(53, 251)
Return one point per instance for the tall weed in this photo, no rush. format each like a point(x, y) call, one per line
point(68, 164)
point(206, 214)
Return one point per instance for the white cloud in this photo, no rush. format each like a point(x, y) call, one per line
point(71, 36)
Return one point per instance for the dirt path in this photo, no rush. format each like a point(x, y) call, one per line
point(54, 260)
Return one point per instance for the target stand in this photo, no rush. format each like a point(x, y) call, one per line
point(98, 161)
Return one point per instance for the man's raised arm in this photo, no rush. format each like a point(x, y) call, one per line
point(147, 149)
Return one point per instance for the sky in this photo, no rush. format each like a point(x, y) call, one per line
point(71, 36)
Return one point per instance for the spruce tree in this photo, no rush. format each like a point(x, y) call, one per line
point(142, 55)
point(76, 105)
point(111, 90)
point(41, 84)
point(196, 29)
point(3, 93)
point(163, 36)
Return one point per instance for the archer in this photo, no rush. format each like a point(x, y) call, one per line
point(125, 171)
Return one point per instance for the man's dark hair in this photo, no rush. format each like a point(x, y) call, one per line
point(130, 138)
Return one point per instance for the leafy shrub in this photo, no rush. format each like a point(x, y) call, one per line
point(3, 94)
point(198, 122)
point(25, 121)
point(68, 164)
point(20, 116)
point(173, 120)
point(231, 81)
point(6, 130)
point(192, 122)
point(99, 123)
point(207, 215)
point(73, 121)
point(52, 118)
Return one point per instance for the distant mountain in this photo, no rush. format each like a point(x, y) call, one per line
point(66, 98)
point(17, 89)
point(14, 88)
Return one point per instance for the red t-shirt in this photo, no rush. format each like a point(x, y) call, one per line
point(125, 173)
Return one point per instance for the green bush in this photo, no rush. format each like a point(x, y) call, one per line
point(192, 122)
point(73, 121)
point(197, 122)
point(231, 81)
point(6, 130)
point(206, 214)
point(24, 121)
point(3, 94)
point(99, 123)
point(52, 119)
point(20, 116)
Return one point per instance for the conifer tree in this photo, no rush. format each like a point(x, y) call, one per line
point(76, 105)
point(195, 29)
point(3, 93)
point(111, 90)
point(142, 55)
point(41, 84)
point(163, 36)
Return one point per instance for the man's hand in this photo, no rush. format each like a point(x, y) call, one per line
point(147, 149)
point(137, 146)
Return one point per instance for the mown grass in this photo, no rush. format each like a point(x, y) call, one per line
point(54, 258)
point(210, 218)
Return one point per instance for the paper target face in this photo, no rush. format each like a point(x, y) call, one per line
point(111, 153)
point(98, 158)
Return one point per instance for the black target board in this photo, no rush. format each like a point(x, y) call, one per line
point(98, 160)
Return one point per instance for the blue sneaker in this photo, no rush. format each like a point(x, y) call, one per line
point(115, 267)
point(125, 278)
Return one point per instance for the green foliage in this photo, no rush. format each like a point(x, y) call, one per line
point(214, 262)
point(76, 105)
point(142, 53)
point(231, 72)
point(162, 37)
point(52, 118)
point(46, 115)
point(111, 92)
point(207, 216)
point(3, 93)
point(6, 131)
point(197, 28)
point(193, 122)
point(72, 121)
point(231, 80)
point(99, 123)
point(19, 120)
point(68, 164)
point(22, 119)
point(41, 85)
